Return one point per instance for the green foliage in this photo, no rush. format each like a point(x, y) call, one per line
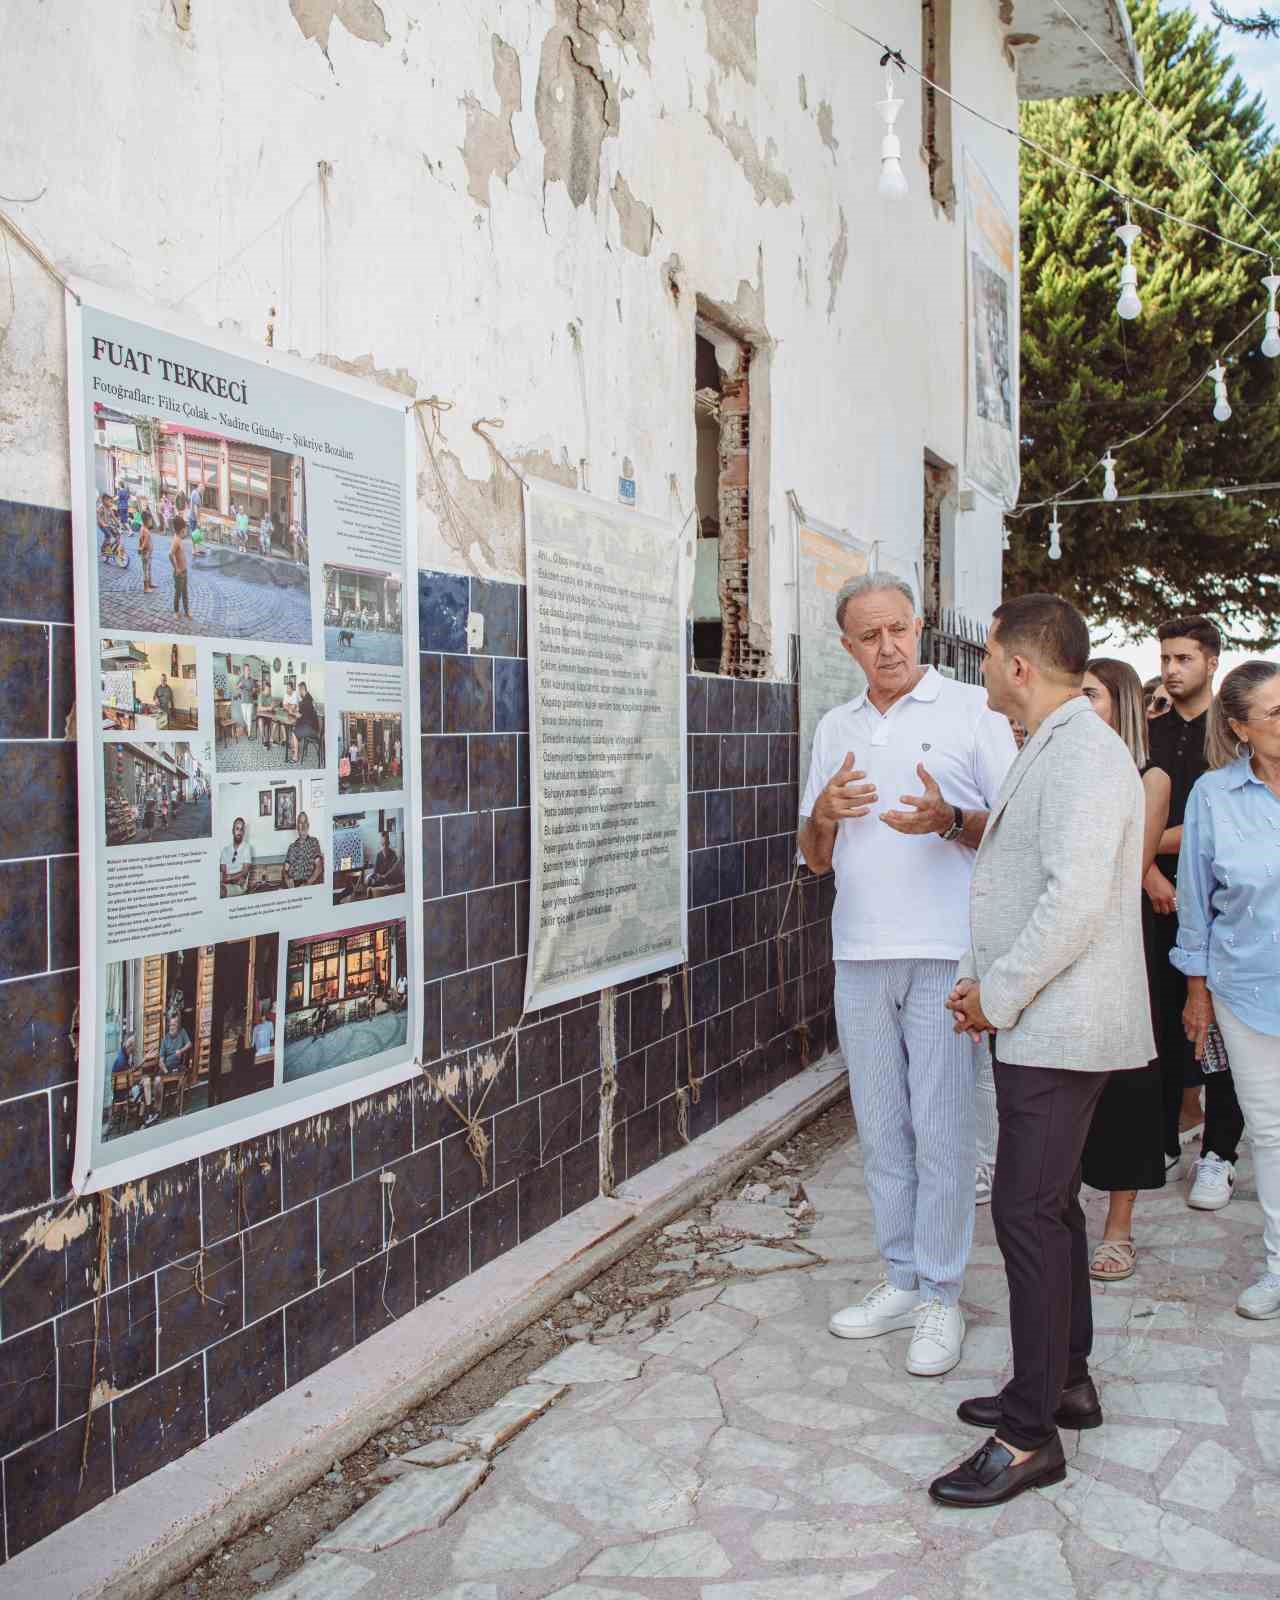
point(1089, 380)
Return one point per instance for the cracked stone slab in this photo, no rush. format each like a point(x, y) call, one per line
point(739, 1450)
point(819, 1586)
point(1266, 1430)
point(469, 1591)
point(1121, 1522)
point(1263, 1380)
point(681, 1394)
point(588, 1363)
point(1124, 1356)
point(851, 1484)
point(439, 1453)
point(695, 1554)
point(1154, 1586)
point(511, 1536)
point(918, 1455)
point(514, 1412)
point(834, 1541)
point(1176, 1402)
point(701, 1339)
point(414, 1504)
point(807, 1411)
point(767, 1298)
point(589, 1591)
point(758, 1222)
point(743, 1496)
point(325, 1578)
point(760, 1258)
point(1141, 1448)
point(1023, 1563)
point(757, 1366)
point(1206, 1480)
point(1123, 1310)
point(612, 1480)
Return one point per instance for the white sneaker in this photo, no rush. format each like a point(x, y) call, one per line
point(982, 1186)
point(1174, 1169)
point(1262, 1299)
point(881, 1311)
point(1212, 1180)
point(935, 1345)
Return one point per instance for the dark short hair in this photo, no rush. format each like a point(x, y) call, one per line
point(1047, 628)
point(1201, 629)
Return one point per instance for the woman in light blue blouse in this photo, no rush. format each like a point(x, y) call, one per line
point(1229, 926)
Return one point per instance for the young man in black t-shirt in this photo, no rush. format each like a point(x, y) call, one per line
point(1189, 650)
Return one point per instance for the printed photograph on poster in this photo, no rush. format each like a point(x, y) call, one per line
point(149, 687)
point(268, 712)
point(198, 532)
point(346, 997)
point(370, 752)
point(362, 619)
point(267, 847)
point(992, 358)
point(991, 413)
point(368, 855)
point(187, 1030)
point(826, 558)
point(154, 793)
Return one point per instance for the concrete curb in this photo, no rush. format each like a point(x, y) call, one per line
point(153, 1533)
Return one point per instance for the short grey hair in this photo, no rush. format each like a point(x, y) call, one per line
point(872, 583)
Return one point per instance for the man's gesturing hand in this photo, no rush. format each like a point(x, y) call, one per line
point(846, 795)
point(930, 813)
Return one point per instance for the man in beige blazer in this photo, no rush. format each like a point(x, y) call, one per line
point(1057, 974)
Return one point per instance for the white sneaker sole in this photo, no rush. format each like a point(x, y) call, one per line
point(1257, 1316)
point(932, 1369)
point(1214, 1204)
point(874, 1330)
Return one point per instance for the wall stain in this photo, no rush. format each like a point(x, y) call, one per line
point(731, 35)
point(363, 19)
point(837, 261)
point(489, 147)
point(761, 173)
point(363, 367)
point(635, 219)
point(827, 126)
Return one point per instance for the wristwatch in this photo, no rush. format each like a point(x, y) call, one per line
point(956, 828)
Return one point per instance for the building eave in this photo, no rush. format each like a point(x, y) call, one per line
point(1058, 59)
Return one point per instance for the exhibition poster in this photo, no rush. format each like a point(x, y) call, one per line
point(826, 558)
point(607, 748)
point(991, 268)
point(247, 716)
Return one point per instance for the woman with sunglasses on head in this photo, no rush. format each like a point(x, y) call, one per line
point(1229, 927)
point(1125, 1148)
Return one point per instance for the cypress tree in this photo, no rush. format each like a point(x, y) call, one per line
point(1089, 379)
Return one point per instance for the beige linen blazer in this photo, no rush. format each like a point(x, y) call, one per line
point(1055, 909)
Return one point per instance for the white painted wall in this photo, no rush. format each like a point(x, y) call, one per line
point(180, 163)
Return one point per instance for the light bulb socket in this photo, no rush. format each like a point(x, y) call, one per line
point(891, 147)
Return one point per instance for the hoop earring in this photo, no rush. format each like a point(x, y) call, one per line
point(1243, 749)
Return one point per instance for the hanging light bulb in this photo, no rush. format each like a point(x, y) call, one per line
point(893, 182)
point(1221, 405)
point(1004, 535)
point(1128, 305)
point(1055, 536)
point(1271, 339)
point(1109, 490)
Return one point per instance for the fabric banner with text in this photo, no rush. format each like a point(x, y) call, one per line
point(991, 257)
point(607, 719)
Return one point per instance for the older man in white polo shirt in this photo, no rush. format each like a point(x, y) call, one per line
point(901, 782)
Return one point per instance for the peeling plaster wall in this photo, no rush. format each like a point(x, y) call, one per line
point(489, 233)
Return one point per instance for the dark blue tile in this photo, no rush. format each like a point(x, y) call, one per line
point(720, 705)
point(279, 1261)
point(37, 799)
point(719, 828)
point(64, 912)
point(766, 811)
point(491, 933)
point(719, 930)
point(59, 1477)
point(35, 562)
point(744, 921)
point(431, 693)
point(782, 850)
point(245, 1371)
point(561, 1110)
point(746, 699)
point(580, 1041)
point(511, 845)
point(761, 968)
point(442, 1255)
point(731, 868)
point(162, 1223)
point(538, 1058)
point(695, 704)
point(350, 1225)
point(316, 1155)
point(697, 821)
point(757, 859)
point(493, 771)
point(24, 1151)
point(508, 992)
point(462, 1177)
point(28, 1388)
point(704, 761)
point(201, 1302)
point(744, 815)
point(37, 1015)
point(63, 1108)
point(732, 760)
point(581, 1175)
point(24, 680)
point(756, 761)
point(510, 697)
point(64, 681)
point(704, 877)
point(646, 1015)
point(384, 1289)
point(642, 1141)
point(517, 1140)
point(696, 927)
point(466, 1010)
point(319, 1328)
point(382, 1128)
point(466, 846)
point(704, 990)
point(432, 865)
point(468, 694)
point(659, 1071)
point(443, 602)
point(779, 758)
point(729, 1090)
point(414, 1200)
point(159, 1423)
point(540, 1196)
point(744, 1027)
point(732, 981)
point(718, 1041)
point(24, 918)
point(126, 1333)
point(240, 1186)
point(523, 898)
point(495, 1225)
point(444, 775)
point(499, 605)
point(522, 769)
point(432, 1039)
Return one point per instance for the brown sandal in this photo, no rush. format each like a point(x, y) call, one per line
point(1118, 1255)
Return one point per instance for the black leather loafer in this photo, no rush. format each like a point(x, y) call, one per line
point(990, 1477)
point(1078, 1408)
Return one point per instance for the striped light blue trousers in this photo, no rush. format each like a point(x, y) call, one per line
point(913, 1083)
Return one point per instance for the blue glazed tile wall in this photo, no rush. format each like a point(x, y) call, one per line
point(232, 1278)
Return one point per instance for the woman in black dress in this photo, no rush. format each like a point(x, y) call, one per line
point(1125, 1148)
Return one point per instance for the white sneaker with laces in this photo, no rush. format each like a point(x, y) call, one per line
point(935, 1345)
point(1212, 1180)
point(1262, 1299)
point(882, 1310)
point(982, 1186)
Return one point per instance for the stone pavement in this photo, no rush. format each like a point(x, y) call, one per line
point(377, 646)
point(232, 596)
point(742, 1453)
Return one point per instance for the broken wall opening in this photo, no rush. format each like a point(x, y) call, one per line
point(937, 558)
point(935, 133)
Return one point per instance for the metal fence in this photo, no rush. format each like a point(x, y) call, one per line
point(954, 645)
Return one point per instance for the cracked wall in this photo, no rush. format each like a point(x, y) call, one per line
point(489, 148)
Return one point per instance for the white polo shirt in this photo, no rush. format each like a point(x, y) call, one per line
point(906, 896)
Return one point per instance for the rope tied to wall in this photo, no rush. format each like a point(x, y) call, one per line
point(478, 1142)
point(694, 1080)
point(104, 1256)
